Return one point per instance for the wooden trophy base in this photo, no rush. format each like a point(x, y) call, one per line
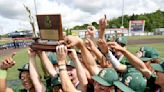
point(48, 46)
point(43, 47)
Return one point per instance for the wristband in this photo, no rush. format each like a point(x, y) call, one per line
point(3, 74)
point(112, 59)
point(62, 67)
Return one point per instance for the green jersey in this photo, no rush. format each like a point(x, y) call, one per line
point(19, 90)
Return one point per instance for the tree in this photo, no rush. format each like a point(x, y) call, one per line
point(95, 24)
point(152, 21)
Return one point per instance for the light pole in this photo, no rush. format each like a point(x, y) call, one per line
point(122, 25)
point(35, 7)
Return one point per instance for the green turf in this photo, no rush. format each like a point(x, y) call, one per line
point(4, 42)
point(20, 58)
point(158, 46)
point(144, 37)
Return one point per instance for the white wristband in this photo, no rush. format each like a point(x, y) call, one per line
point(111, 58)
point(62, 67)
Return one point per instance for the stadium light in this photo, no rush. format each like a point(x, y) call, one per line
point(122, 26)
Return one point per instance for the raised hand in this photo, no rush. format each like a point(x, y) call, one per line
point(103, 46)
point(103, 23)
point(61, 52)
point(73, 54)
point(31, 53)
point(8, 62)
point(91, 30)
point(90, 44)
point(115, 46)
point(73, 41)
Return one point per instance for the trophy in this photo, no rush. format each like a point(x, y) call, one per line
point(50, 31)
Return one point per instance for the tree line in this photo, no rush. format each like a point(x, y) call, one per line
point(152, 20)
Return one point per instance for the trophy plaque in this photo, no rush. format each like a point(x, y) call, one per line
point(50, 30)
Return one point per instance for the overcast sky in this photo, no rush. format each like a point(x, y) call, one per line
point(13, 15)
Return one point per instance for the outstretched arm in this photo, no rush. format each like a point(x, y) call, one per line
point(87, 57)
point(102, 25)
point(102, 60)
point(80, 71)
point(4, 65)
point(47, 63)
point(39, 87)
point(110, 58)
point(67, 85)
point(135, 61)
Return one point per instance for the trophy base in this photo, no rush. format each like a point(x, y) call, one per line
point(43, 47)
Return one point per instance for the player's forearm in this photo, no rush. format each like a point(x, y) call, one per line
point(80, 73)
point(2, 85)
point(101, 33)
point(48, 65)
point(89, 60)
point(35, 76)
point(65, 81)
point(97, 52)
point(137, 63)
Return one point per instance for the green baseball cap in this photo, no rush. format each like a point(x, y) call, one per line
point(109, 39)
point(123, 87)
point(52, 58)
point(162, 59)
point(25, 67)
point(70, 63)
point(158, 67)
point(106, 77)
point(149, 52)
point(134, 80)
point(123, 40)
point(55, 81)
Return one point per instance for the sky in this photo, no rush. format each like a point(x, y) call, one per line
point(13, 15)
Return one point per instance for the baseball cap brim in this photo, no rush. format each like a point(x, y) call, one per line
point(56, 81)
point(101, 81)
point(157, 67)
point(54, 62)
point(162, 59)
point(23, 70)
point(123, 87)
point(144, 59)
point(70, 63)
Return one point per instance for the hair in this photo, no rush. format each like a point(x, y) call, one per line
point(156, 61)
point(56, 88)
point(123, 45)
point(21, 73)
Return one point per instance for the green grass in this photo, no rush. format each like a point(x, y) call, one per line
point(20, 58)
point(4, 42)
point(144, 37)
point(158, 46)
